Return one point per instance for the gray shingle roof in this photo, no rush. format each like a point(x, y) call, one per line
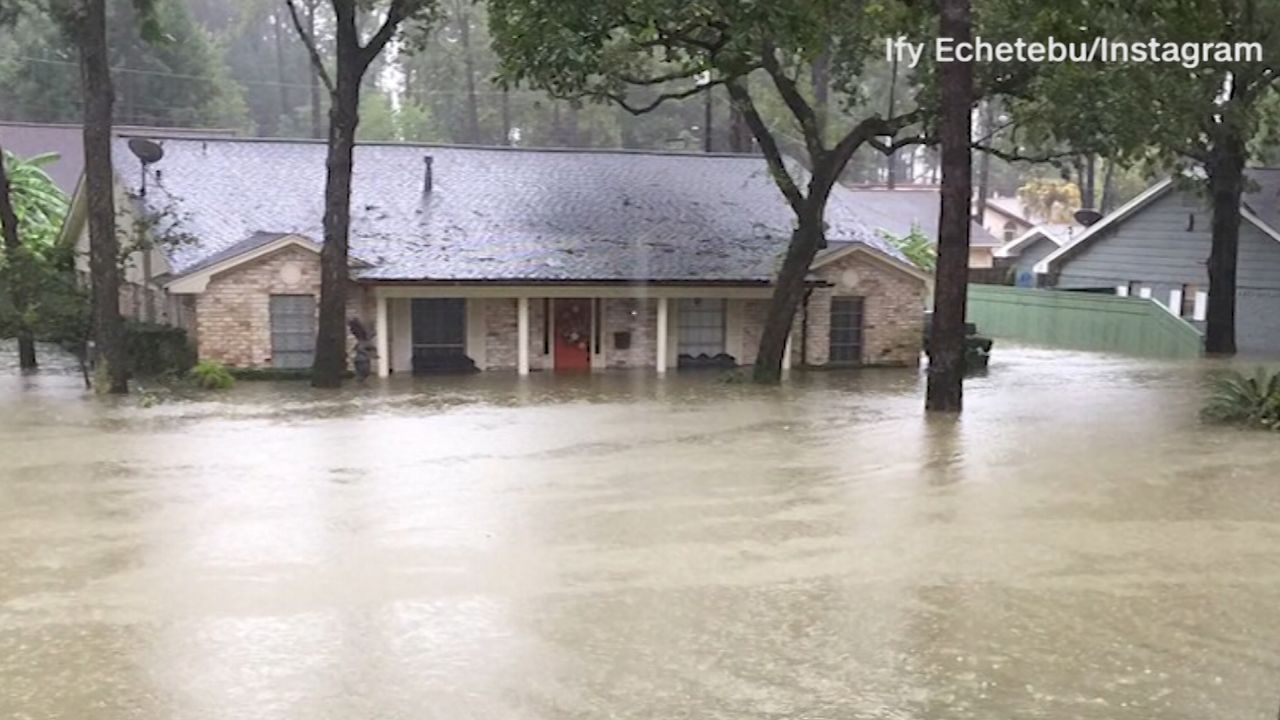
point(492, 213)
point(1263, 196)
point(896, 211)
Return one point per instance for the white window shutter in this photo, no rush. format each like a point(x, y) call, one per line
point(1122, 290)
point(1144, 292)
point(1202, 306)
point(1175, 302)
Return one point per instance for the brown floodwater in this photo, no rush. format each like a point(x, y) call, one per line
point(614, 546)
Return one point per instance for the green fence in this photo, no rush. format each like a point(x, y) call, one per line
point(1082, 321)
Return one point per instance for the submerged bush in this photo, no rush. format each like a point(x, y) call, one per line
point(212, 375)
point(1251, 401)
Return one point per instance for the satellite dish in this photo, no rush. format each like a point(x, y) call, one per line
point(1087, 216)
point(145, 150)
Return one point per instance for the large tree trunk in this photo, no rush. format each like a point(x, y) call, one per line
point(18, 285)
point(788, 291)
point(104, 247)
point(1226, 186)
point(330, 362)
point(946, 342)
point(1088, 192)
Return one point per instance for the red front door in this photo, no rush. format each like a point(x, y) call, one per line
point(573, 334)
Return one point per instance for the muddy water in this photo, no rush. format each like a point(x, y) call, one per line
point(1075, 547)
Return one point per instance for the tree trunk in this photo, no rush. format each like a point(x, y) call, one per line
point(104, 247)
point(708, 144)
point(1108, 188)
point(984, 160)
point(1087, 187)
point(739, 133)
point(286, 109)
point(317, 122)
point(890, 161)
point(330, 361)
point(946, 342)
point(506, 117)
point(1226, 186)
point(469, 68)
point(18, 284)
point(788, 291)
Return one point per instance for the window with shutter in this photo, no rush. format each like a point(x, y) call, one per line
point(293, 330)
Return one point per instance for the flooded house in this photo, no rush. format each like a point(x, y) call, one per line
point(1157, 246)
point(508, 259)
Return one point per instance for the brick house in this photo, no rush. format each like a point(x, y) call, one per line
point(513, 259)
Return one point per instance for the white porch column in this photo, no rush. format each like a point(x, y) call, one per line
point(382, 335)
point(522, 335)
point(661, 343)
point(786, 354)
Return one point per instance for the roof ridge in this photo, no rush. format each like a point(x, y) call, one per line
point(191, 137)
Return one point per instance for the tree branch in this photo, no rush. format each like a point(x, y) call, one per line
point(621, 98)
point(371, 49)
point(800, 108)
point(1011, 157)
point(317, 63)
point(768, 145)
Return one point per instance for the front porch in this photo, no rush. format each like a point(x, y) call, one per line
point(426, 328)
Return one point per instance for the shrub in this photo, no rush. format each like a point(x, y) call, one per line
point(156, 349)
point(212, 375)
point(1240, 400)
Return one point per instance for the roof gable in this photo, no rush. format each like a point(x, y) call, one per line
point(1265, 195)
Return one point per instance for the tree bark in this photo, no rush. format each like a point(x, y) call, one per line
point(18, 285)
point(807, 239)
point(104, 246)
point(330, 361)
point(946, 342)
point(1226, 186)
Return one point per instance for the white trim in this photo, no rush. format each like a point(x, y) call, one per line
point(522, 335)
point(1122, 290)
point(1260, 224)
point(1149, 195)
point(1175, 302)
point(198, 281)
point(871, 252)
point(1026, 238)
point(661, 336)
point(382, 333)
point(1144, 292)
point(1201, 309)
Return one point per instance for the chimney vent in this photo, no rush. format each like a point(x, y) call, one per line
point(426, 175)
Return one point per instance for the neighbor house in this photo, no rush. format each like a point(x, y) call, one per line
point(506, 258)
point(1005, 218)
point(1157, 246)
point(899, 210)
point(1023, 252)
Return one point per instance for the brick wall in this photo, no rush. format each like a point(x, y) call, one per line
point(638, 317)
point(893, 312)
point(232, 316)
